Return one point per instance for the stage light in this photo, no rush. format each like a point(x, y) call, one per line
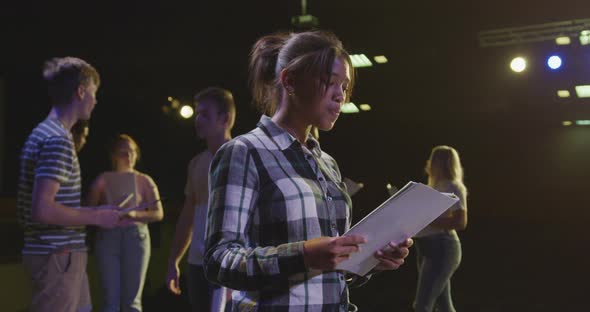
point(563, 93)
point(360, 60)
point(186, 112)
point(585, 37)
point(518, 64)
point(380, 59)
point(175, 104)
point(365, 107)
point(583, 122)
point(554, 62)
point(563, 40)
point(348, 108)
point(170, 99)
point(583, 91)
point(567, 123)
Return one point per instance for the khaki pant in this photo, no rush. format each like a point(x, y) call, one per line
point(59, 282)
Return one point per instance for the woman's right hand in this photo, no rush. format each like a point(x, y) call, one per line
point(325, 253)
point(172, 279)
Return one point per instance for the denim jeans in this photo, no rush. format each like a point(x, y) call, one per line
point(438, 256)
point(122, 256)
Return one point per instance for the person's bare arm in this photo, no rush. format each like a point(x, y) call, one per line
point(46, 210)
point(457, 220)
point(182, 237)
point(153, 213)
point(180, 243)
point(96, 192)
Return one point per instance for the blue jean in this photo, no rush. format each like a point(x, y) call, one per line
point(122, 256)
point(438, 256)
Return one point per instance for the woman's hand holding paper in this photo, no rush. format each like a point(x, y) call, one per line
point(392, 256)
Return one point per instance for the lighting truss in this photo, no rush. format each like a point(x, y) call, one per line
point(532, 33)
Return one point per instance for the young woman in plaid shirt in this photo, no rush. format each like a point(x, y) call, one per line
point(277, 203)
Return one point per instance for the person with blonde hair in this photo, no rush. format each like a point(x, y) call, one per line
point(123, 253)
point(438, 248)
point(277, 204)
point(215, 116)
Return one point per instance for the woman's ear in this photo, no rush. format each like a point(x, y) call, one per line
point(287, 82)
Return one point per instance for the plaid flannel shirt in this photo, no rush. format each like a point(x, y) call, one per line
point(269, 194)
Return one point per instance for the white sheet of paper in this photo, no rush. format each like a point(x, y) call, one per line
point(143, 206)
point(400, 217)
point(118, 186)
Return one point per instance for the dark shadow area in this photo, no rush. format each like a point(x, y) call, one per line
point(509, 264)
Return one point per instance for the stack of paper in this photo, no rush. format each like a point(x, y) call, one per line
point(400, 217)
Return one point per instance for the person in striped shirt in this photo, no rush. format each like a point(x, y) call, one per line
point(54, 252)
point(277, 204)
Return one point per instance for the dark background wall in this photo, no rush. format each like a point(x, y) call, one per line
point(438, 88)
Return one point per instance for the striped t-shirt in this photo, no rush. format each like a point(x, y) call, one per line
point(49, 153)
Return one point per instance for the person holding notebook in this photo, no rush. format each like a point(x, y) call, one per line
point(438, 249)
point(277, 202)
point(123, 253)
point(49, 207)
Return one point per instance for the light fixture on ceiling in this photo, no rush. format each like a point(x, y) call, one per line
point(563, 40)
point(186, 111)
point(365, 107)
point(349, 108)
point(380, 59)
point(360, 60)
point(563, 93)
point(583, 91)
point(518, 64)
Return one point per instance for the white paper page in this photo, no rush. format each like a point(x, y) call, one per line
point(400, 217)
point(143, 206)
point(118, 186)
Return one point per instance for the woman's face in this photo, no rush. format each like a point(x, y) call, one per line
point(324, 109)
point(427, 168)
point(125, 156)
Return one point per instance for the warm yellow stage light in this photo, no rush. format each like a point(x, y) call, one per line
point(518, 64)
point(563, 40)
point(563, 93)
point(380, 59)
point(186, 112)
point(365, 107)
